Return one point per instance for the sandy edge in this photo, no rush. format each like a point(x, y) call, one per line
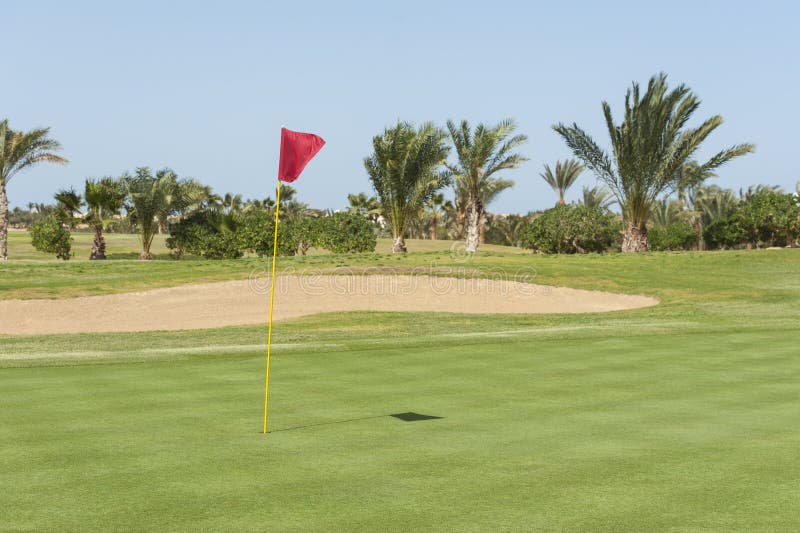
point(243, 302)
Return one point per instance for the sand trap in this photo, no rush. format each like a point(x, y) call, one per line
point(233, 303)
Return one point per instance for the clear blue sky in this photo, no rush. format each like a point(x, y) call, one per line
point(204, 87)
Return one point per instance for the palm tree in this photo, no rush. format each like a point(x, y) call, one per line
point(362, 204)
point(19, 151)
point(690, 177)
point(597, 197)
point(104, 199)
point(230, 203)
point(190, 196)
point(406, 170)
point(665, 212)
point(68, 206)
point(151, 200)
point(566, 172)
point(434, 206)
point(715, 203)
point(288, 194)
point(507, 229)
point(650, 147)
point(481, 153)
point(490, 190)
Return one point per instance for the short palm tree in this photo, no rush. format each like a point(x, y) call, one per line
point(649, 148)
point(564, 176)
point(715, 203)
point(190, 196)
point(104, 199)
point(482, 153)
point(665, 212)
point(406, 169)
point(362, 204)
point(597, 197)
point(487, 194)
point(68, 206)
point(690, 177)
point(151, 199)
point(434, 207)
point(19, 151)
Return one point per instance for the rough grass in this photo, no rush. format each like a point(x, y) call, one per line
point(678, 417)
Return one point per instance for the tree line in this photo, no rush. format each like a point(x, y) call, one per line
point(651, 174)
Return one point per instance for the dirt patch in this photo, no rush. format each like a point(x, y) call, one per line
point(233, 303)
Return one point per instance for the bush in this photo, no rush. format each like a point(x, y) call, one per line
point(256, 234)
point(768, 218)
point(723, 233)
point(213, 235)
point(572, 229)
point(307, 233)
point(346, 233)
point(676, 236)
point(209, 234)
point(49, 236)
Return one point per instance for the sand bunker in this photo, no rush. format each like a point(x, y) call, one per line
point(246, 302)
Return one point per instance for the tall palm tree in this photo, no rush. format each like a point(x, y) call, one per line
point(481, 154)
point(566, 172)
point(19, 151)
point(650, 147)
point(597, 197)
point(151, 200)
point(406, 169)
point(104, 199)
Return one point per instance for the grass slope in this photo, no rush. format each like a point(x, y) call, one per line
point(682, 416)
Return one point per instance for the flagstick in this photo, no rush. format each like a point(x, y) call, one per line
point(271, 302)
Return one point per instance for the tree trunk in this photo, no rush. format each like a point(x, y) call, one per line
point(482, 229)
point(434, 222)
point(399, 245)
point(460, 221)
point(98, 245)
point(145, 255)
point(474, 213)
point(634, 239)
point(3, 223)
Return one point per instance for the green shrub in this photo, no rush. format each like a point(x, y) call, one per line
point(346, 233)
point(676, 236)
point(209, 234)
point(307, 233)
point(49, 236)
point(572, 229)
point(256, 234)
point(723, 233)
point(768, 218)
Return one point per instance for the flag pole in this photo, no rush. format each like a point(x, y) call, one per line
point(271, 303)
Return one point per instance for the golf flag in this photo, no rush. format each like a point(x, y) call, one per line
point(297, 149)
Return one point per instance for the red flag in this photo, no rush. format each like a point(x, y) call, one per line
point(297, 149)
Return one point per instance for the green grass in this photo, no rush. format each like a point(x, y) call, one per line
point(118, 246)
point(682, 416)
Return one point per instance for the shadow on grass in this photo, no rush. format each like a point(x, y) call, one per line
point(405, 417)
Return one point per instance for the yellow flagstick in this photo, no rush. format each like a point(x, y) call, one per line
point(271, 302)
